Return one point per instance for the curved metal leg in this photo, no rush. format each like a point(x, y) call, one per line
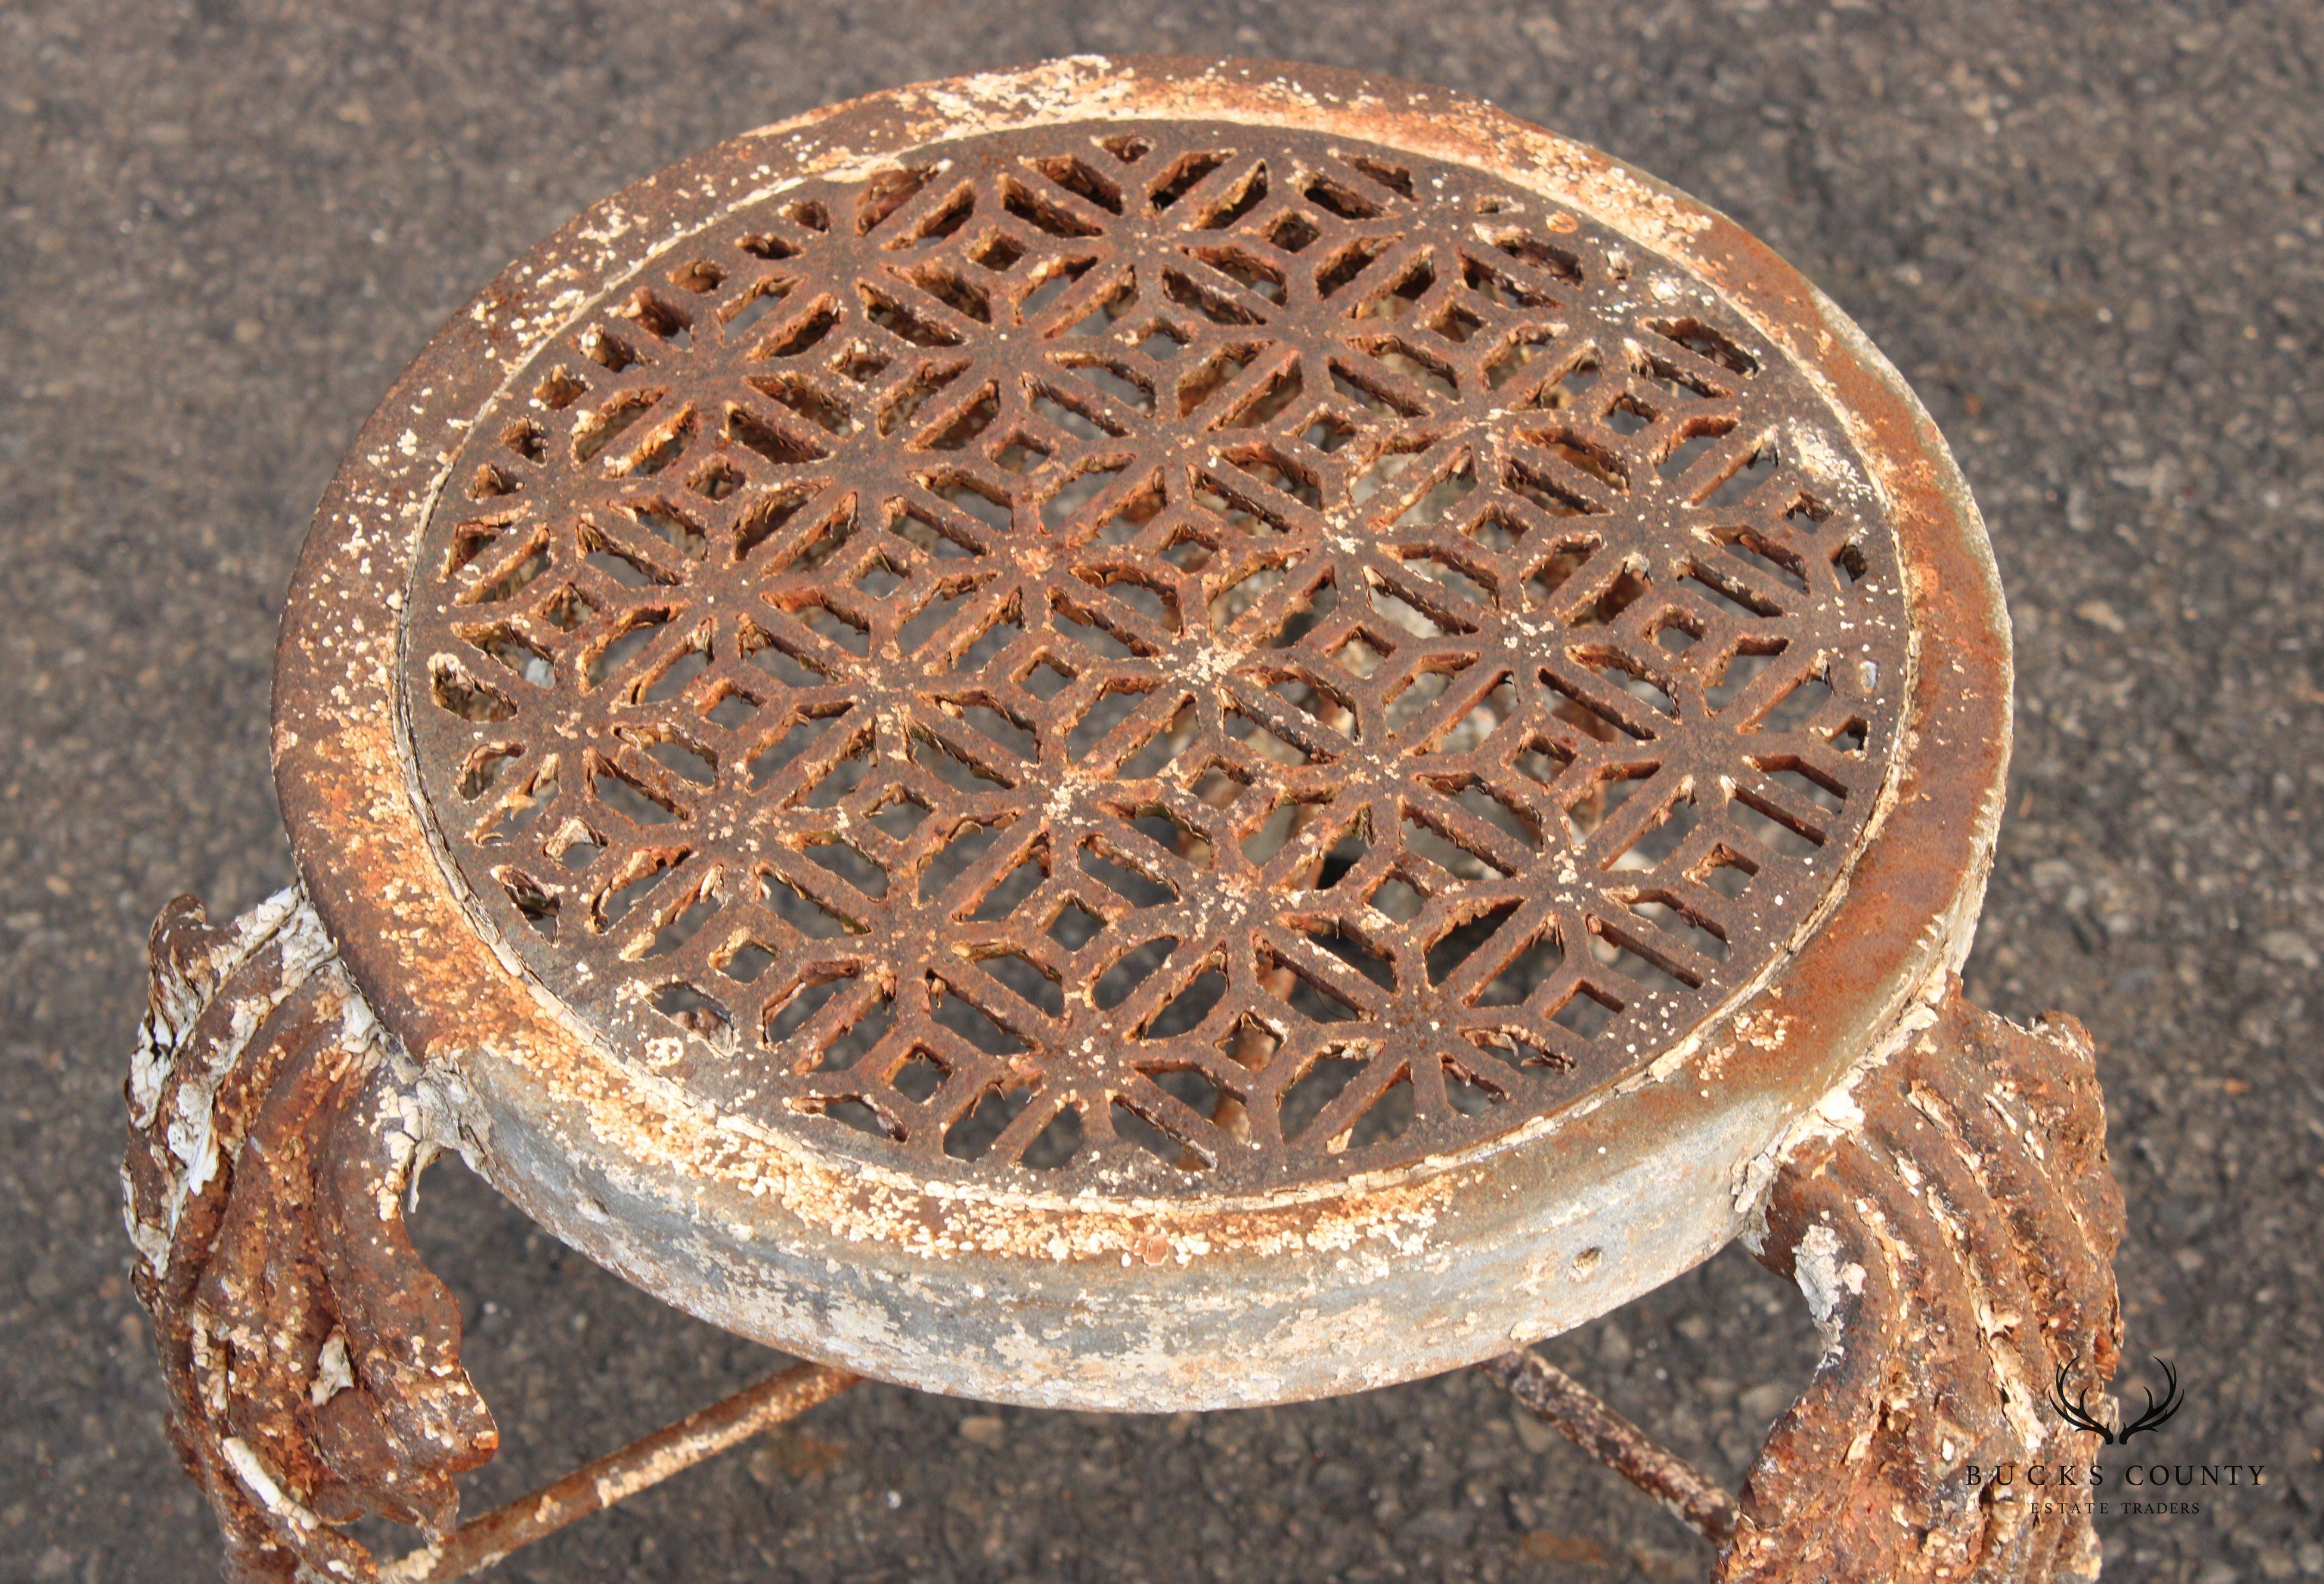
point(1955, 1241)
point(1952, 1225)
point(312, 1362)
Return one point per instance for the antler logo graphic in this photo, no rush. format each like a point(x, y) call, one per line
point(2077, 1412)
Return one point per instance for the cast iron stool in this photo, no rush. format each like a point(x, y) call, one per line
point(1140, 734)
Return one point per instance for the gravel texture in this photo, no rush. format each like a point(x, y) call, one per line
point(2089, 234)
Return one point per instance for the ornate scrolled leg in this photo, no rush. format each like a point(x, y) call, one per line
point(1952, 1225)
point(1951, 1221)
point(311, 1360)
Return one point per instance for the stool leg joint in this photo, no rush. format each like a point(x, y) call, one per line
point(1955, 1244)
point(312, 1362)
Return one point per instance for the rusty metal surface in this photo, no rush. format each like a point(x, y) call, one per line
point(483, 1541)
point(1124, 1287)
point(1584, 1419)
point(1953, 1229)
point(312, 1362)
point(1951, 1218)
point(1168, 653)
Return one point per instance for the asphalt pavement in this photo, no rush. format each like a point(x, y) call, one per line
point(2092, 236)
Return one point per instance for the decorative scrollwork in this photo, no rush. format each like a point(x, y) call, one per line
point(312, 1362)
point(1956, 1248)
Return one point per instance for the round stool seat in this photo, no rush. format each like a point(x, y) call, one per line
point(1144, 735)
